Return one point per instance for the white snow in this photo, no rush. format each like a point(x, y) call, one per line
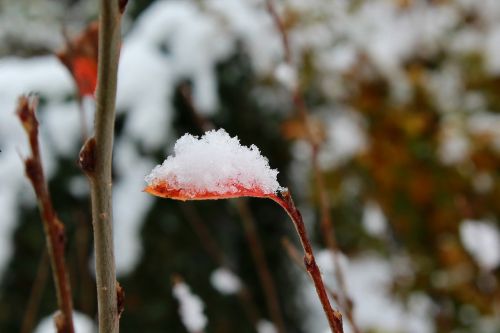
point(454, 147)
point(265, 326)
point(190, 308)
point(19, 76)
point(374, 220)
point(130, 205)
point(345, 138)
point(82, 323)
point(215, 163)
point(224, 281)
point(482, 240)
point(369, 278)
point(286, 75)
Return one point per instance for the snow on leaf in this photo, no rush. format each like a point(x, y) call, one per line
point(214, 166)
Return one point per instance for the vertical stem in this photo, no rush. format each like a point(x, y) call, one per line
point(334, 317)
point(96, 160)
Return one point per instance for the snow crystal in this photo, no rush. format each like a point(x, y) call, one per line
point(265, 326)
point(374, 220)
point(225, 281)
point(454, 147)
point(482, 240)
point(82, 323)
point(345, 139)
point(286, 75)
point(215, 163)
point(190, 308)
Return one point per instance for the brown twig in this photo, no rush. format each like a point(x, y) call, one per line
point(334, 317)
point(54, 229)
point(251, 234)
point(96, 161)
point(327, 228)
point(294, 254)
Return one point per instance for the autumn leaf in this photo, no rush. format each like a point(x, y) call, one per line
point(80, 57)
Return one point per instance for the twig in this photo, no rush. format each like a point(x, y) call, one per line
point(294, 254)
point(251, 234)
point(54, 229)
point(42, 273)
point(327, 228)
point(96, 161)
point(334, 317)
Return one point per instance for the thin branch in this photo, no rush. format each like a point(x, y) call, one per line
point(54, 229)
point(327, 227)
point(334, 317)
point(96, 161)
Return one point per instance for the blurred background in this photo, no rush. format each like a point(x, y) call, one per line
point(401, 121)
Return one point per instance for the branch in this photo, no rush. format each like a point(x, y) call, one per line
point(54, 229)
point(295, 256)
point(334, 317)
point(96, 161)
point(327, 228)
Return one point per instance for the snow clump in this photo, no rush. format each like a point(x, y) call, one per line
point(215, 163)
point(190, 308)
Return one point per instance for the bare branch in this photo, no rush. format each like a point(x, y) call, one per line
point(54, 229)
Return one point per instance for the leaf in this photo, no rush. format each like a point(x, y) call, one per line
point(80, 57)
point(163, 190)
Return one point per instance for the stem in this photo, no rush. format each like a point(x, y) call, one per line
point(295, 256)
point(327, 228)
point(54, 229)
point(262, 268)
point(96, 160)
point(334, 317)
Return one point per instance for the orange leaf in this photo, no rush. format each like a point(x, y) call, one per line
point(163, 190)
point(80, 57)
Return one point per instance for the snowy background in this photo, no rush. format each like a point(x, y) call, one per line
point(404, 94)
